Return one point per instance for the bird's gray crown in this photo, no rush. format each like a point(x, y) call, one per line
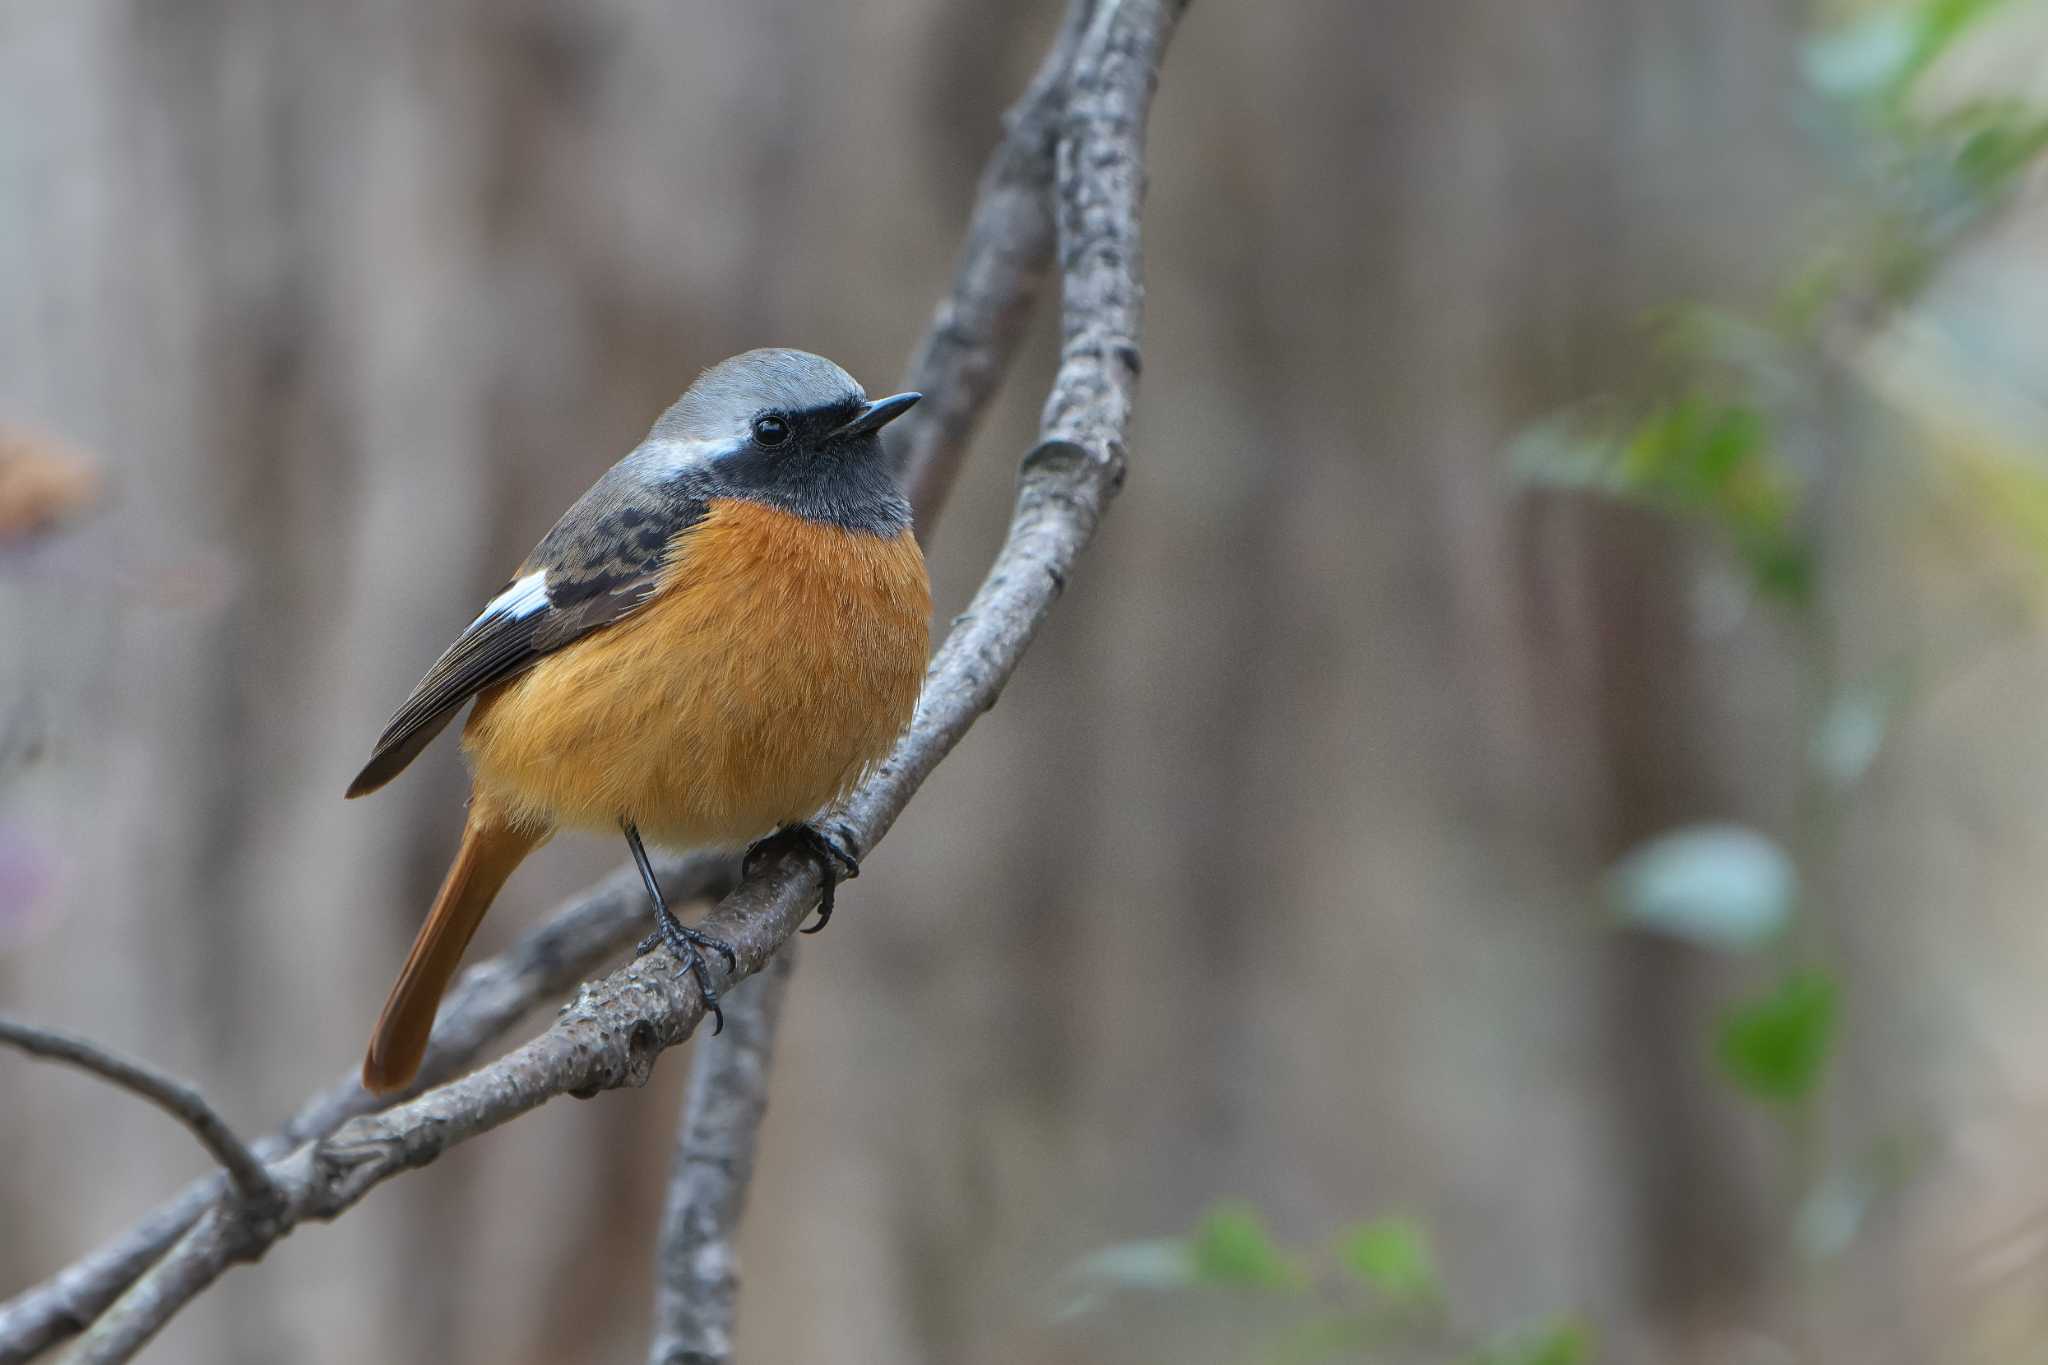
point(820, 464)
point(732, 393)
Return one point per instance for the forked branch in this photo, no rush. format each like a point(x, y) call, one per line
point(613, 1031)
point(250, 1181)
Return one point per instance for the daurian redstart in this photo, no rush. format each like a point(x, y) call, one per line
point(716, 641)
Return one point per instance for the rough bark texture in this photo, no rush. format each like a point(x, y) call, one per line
point(696, 1272)
point(965, 352)
point(486, 1000)
point(967, 347)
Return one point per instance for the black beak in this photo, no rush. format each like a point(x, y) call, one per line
point(877, 415)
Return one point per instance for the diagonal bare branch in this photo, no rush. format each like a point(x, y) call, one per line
point(251, 1182)
point(964, 354)
point(974, 331)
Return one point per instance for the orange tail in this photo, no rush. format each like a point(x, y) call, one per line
point(491, 848)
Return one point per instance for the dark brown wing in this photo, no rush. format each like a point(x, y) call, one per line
point(603, 559)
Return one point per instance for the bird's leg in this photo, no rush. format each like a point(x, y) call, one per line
point(682, 941)
point(834, 856)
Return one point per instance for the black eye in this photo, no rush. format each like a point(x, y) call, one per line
point(771, 430)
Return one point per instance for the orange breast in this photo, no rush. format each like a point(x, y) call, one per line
point(778, 661)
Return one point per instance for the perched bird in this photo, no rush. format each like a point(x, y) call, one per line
point(715, 642)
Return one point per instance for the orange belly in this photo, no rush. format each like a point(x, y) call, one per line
point(777, 662)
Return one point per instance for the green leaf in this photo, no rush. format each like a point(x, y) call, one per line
point(1230, 1246)
point(2001, 145)
point(1717, 885)
point(1693, 456)
point(1391, 1255)
point(1943, 21)
point(1776, 1048)
point(1565, 1341)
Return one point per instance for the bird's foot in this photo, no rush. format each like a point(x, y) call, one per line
point(684, 945)
point(834, 855)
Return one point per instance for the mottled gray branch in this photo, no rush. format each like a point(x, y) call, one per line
point(611, 1034)
point(958, 365)
point(487, 999)
point(245, 1173)
point(696, 1270)
point(1008, 247)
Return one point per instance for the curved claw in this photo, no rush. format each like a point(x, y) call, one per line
point(835, 861)
point(824, 905)
point(699, 969)
point(752, 856)
point(700, 972)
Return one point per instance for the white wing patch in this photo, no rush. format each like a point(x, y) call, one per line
point(521, 599)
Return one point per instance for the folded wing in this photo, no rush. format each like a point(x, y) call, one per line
point(603, 559)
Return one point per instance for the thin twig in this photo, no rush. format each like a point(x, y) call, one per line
point(611, 1035)
point(696, 1271)
point(246, 1173)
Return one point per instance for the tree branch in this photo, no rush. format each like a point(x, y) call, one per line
point(610, 1035)
point(696, 1276)
point(974, 331)
point(245, 1173)
point(488, 999)
point(961, 361)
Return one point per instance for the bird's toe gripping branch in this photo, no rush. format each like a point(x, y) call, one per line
point(688, 946)
point(833, 852)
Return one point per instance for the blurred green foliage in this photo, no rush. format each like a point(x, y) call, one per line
point(1391, 1256)
point(1371, 1290)
point(1776, 1047)
point(1741, 414)
point(1689, 455)
point(1231, 1247)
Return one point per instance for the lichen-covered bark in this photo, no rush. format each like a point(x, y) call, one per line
point(696, 1273)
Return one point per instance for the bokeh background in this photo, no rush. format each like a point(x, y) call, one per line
point(1526, 834)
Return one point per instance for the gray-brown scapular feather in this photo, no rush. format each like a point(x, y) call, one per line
point(601, 560)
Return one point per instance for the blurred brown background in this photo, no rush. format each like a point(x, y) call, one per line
point(1277, 873)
